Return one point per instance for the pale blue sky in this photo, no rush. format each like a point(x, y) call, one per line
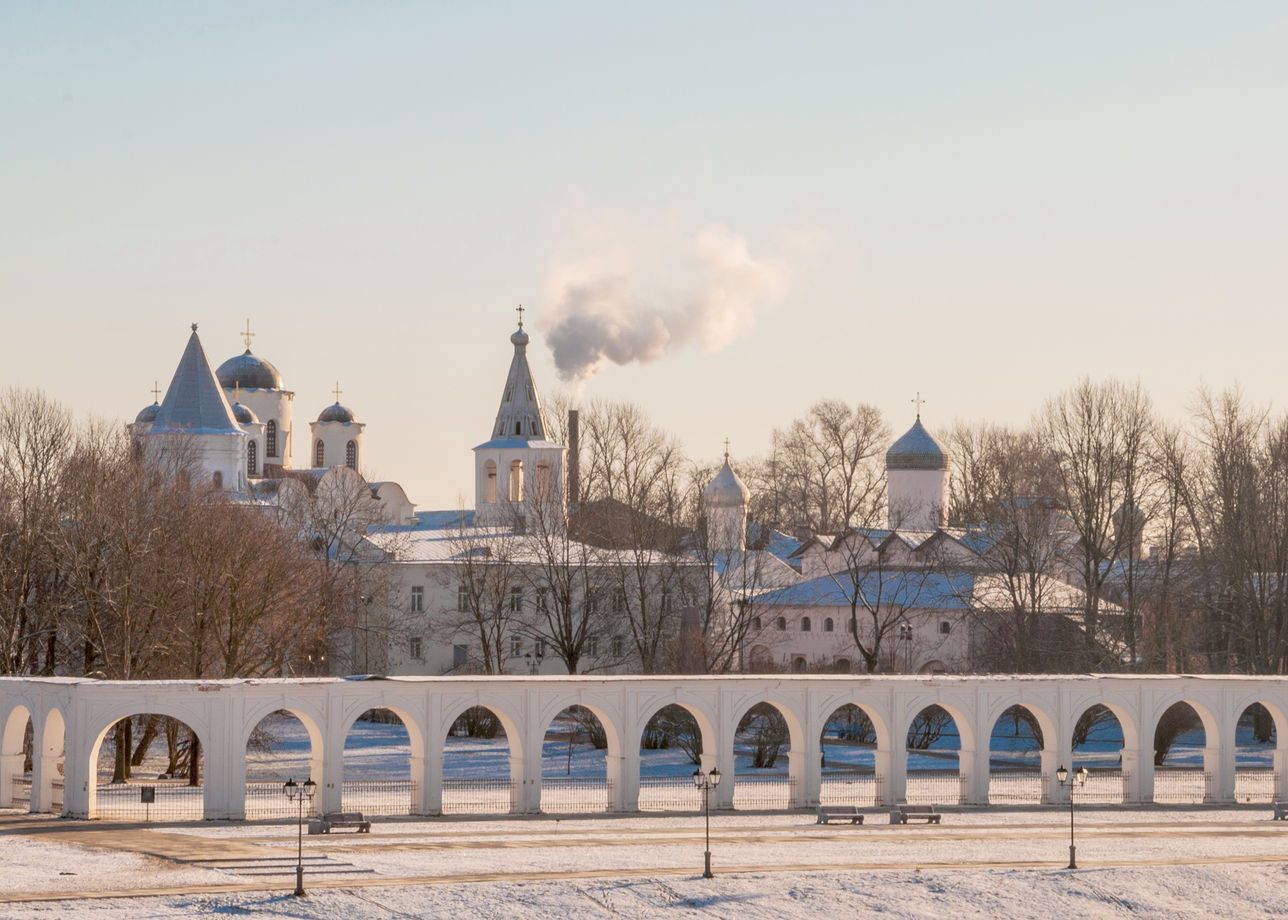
point(980, 201)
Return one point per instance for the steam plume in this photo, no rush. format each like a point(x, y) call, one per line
point(599, 316)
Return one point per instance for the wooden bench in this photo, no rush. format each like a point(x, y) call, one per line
point(829, 813)
point(1281, 811)
point(903, 813)
point(346, 819)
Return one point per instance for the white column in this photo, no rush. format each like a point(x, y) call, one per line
point(623, 773)
point(973, 766)
point(1219, 760)
point(10, 768)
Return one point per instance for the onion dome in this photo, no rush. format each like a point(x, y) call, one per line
point(249, 372)
point(336, 413)
point(917, 450)
point(244, 415)
point(726, 490)
point(148, 415)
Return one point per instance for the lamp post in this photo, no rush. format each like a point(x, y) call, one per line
point(1062, 775)
point(296, 792)
point(905, 635)
point(706, 782)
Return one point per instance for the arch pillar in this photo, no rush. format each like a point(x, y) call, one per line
point(1219, 758)
point(527, 800)
point(623, 773)
point(48, 734)
point(805, 762)
point(224, 796)
point(1138, 764)
point(330, 794)
point(973, 767)
point(10, 769)
point(427, 768)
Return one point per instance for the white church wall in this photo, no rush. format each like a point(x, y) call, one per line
point(917, 499)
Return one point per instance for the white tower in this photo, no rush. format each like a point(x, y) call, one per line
point(337, 438)
point(519, 473)
point(256, 384)
point(725, 501)
point(917, 476)
point(194, 433)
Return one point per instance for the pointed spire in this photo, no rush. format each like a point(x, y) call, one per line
point(194, 401)
point(520, 416)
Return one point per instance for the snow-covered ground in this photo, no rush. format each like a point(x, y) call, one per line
point(1139, 862)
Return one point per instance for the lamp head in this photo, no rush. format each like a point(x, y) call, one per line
point(715, 776)
point(1082, 776)
point(1061, 774)
point(697, 778)
point(310, 787)
point(290, 787)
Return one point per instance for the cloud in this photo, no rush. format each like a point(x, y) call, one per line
point(606, 308)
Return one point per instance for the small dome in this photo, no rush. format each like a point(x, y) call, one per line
point(726, 489)
point(148, 415)
point(520, 337)
point(249, 372)
point(917, 450)
point(243, 415)
point(336, 413)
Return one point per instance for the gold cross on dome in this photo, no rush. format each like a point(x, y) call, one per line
point(246, 334)
point(918, 402)
point(519, 310)
point(337, 392)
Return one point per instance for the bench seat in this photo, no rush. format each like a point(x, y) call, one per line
point(346, 819)
point(903, 813)
point(829, 813)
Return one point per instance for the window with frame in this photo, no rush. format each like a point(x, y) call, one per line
point(516, 646)
point(252, 458)
point(618, 646)
point(945, 627)
point(351, 455)
point(542, 606)
point(463, 603)
point(619, 601)
point(270, 438)
point(780, 624)
point(806, 625)
point(829, 624)
point(516, 600)
point(319, 455)
point(539, 648)
point(592, 646)
point(755, 624)
point(414, 648)
point(417, 598)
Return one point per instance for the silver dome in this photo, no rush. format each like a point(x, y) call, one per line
point(249, 372)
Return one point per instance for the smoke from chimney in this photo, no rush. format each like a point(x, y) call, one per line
point(599, 316)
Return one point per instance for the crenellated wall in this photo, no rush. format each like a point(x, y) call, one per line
point(71, 717)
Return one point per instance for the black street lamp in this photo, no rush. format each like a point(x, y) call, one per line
point(1062, 775)
point(299, 793)
point(706, 782)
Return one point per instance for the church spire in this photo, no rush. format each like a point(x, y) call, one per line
point(520, 416)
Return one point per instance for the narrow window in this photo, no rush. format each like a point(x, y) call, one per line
point(351, 455)
point(489, 481)
point(516, 646)
point(460, 655)
point(270, 439)
point(516, 480)
point(463, 599)
point(828, 625)
point(541, 601)
point(417, 598)
point(252, 461)
point(539, 648)
point(319, 456)
point(414, 648)
point(544, 492)
point(217, 480)
point(755, 624)
point(781, 624)
point(805, 624)
point(619, 601)
point(516, 600)
point(618, 646)
point(592, 646)
point(945, 627)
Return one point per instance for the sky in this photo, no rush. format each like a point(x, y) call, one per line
point(752, 206)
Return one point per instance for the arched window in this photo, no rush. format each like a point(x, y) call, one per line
point(319, 456)
point(781, 624)
point(945, 627)
point(828, 625)
point(799, 665)
point(252, 461)
point(516, 480)
point(543, 481)
point(351, 455)
point(270, 439)
point(755, 624)
point(489, 481)
point(843, 665)
point(806, 625)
